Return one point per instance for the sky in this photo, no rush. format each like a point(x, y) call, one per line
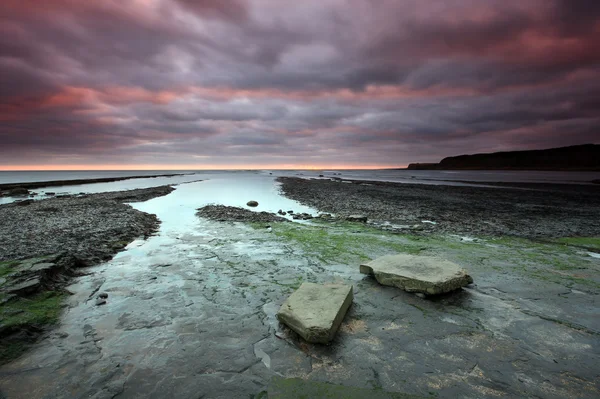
point(193, 84)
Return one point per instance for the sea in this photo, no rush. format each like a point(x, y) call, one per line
point(243, 180)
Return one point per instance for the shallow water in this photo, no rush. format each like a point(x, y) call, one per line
point(176, 210)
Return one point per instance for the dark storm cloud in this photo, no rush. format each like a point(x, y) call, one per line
point(235, 10)
point(259, 81)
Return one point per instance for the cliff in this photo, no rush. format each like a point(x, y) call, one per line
point(578, 157)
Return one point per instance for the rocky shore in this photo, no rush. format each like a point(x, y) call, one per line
point(91, 228)
point(42, 245)
point(200, 300)
point(222, 213)
point(534, 211)
point(19, 189)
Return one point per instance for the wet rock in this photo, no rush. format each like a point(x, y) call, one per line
point(252, 203)
point(25, 202)
point(103, 295)
point(26, 287)
point(282, 213)
point(425, 274)
point(291, 212)
point(302, 216)
point(316, 311)
point(476, 211)
point(50, 193)
point(357, 218)
point(82, 227)
point(17, 192)
point(100, 301)
point(223, 213)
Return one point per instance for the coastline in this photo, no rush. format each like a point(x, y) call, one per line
point(43, 244)
point(206, 291)
point(540, 211)
point(58, 183)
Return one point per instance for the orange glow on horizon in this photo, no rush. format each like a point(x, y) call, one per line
point(85, 167)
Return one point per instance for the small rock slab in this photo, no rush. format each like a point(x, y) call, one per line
point(426, 274)
point(315, 311)
point(357, 218)
point(24, 288)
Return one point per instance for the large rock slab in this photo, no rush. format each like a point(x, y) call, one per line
point(315, 311)
point(425, 274)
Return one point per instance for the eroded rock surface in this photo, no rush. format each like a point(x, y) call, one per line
point(532, 210)
point(315, 311)
point(425, 274)
point(222, 213)
point(92, 228)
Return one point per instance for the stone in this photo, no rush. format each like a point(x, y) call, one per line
point(50, 193)
point(315, 311)
point(100, 301)
point(103, 295)
point(252, 203)
point(25, 288)
point(426, 274)
point(357, 218)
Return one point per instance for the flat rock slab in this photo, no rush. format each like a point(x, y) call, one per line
point(315, 311)
point(24, 288)
point(426, 274)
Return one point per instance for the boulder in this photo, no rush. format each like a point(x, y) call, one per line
point(426, 274)
point(252, 203)
point(315, 311)
point(357, 218)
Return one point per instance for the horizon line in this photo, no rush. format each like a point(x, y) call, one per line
point(124, 168)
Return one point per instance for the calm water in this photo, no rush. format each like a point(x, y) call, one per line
point(433, 176)
point(245, 180)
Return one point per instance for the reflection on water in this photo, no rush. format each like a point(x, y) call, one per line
point(232, 189)
point(248, 178)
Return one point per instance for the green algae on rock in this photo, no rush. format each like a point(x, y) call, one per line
point(425, 274)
